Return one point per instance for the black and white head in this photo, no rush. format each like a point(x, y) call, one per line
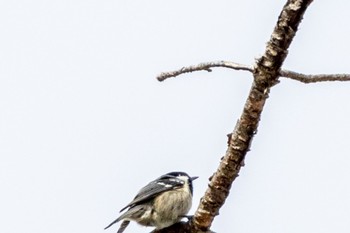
point(177, 178)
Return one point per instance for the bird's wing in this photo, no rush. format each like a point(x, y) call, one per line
point(162, 184)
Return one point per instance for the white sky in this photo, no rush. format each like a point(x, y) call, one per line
point(84, 124)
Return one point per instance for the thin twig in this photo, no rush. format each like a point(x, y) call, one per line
point(304, 78)
point(314, 78)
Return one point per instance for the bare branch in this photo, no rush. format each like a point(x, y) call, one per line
point(305, 78)
point(266, 74)
point(204, 66)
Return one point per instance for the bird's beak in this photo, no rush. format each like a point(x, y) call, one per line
point(193, 178)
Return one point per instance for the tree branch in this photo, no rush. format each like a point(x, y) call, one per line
point(304, 78)
point(266, 73)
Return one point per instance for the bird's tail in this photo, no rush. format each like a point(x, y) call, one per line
point(115, 221)
point(122, 227)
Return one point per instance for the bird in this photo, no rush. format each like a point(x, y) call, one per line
point(161, 203)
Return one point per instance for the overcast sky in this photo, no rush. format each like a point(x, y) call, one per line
point(84, 124)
